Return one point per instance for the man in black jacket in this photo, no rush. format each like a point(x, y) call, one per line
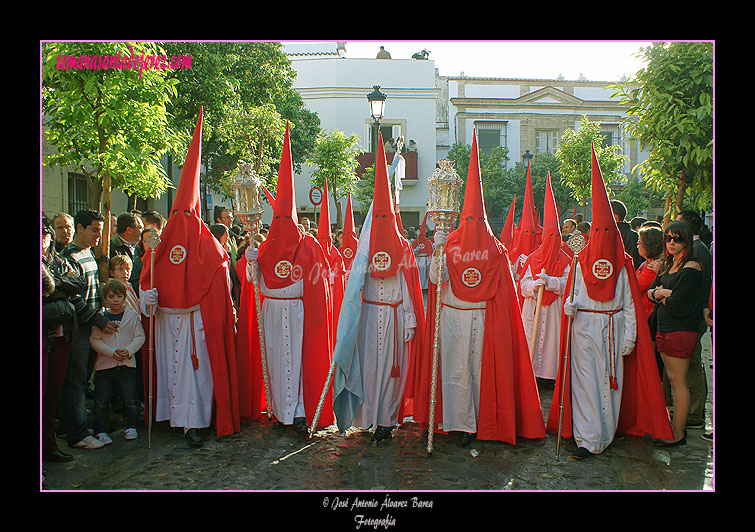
point(128, 233)
point(696, 380)
point(628, 235)
point(62, 287)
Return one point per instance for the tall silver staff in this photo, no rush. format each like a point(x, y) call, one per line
point(321, 402)
point(245, 186)
point(577, 243)
point(443, 206)
point(152, 240)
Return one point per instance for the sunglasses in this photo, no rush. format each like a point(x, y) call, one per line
point(677, 239)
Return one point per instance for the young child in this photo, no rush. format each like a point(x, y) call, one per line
point(115, 364)
point(120, 267)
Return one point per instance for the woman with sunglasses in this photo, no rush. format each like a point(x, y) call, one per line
point(677, 288)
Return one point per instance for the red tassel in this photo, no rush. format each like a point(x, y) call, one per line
point(614, 383)
point(395, 372)
point(195, 361)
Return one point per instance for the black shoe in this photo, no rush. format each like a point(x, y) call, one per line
point(465, 438)
point(581, 453)
point(300, 425)
point(382, 433)
point(193, 437)
point(681, 441)
point(57, 456)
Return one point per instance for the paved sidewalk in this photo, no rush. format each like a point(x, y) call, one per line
point(265, 457)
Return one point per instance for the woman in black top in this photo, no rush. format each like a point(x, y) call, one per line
point(677, 288)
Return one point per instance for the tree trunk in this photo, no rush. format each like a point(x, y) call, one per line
point(667, 212)
point(339, 217)
point(102, 252)
point(682, 189)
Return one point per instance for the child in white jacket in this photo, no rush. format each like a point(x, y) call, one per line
point(115, 364)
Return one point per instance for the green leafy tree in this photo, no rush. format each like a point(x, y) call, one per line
point(334, 159)
point(638, 197)
point(109, 121)
point(365, 188)
point(575, 157)
point(671, 114)
point(246, 90)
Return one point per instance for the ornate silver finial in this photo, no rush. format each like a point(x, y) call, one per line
point(445, 194)
point(577, 242)
point(245, 187)
point(152, 239)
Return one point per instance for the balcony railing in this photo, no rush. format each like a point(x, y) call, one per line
point(366, 160)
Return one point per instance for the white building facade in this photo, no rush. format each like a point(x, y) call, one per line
point(336, 88)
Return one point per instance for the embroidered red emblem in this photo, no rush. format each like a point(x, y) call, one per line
point(471, 277)
point(177, 254)
point(283, 269)
point(381, 261)
point(602, 269)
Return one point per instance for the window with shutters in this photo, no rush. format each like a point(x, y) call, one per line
point(546, 141)
point(78, 193)
point(490, 135)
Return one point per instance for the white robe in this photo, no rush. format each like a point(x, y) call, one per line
point(184, 396)
point(460, 357)
point(595, 406)
point(375, 348)
point(283, 325)
point(545, 357)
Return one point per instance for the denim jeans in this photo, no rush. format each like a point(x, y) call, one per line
point(123, 378)
point(74, 414)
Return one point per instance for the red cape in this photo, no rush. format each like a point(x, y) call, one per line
point(509, 399)
point(248, 359)
point(216, 309)
point(643, 407)
point(317, 346)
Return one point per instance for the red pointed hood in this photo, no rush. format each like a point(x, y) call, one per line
point(422, 244)
point(188, 253)
point(527, 238)
point(507, 233)
point(549, 256)
point(187, 195)
point(386, 249)
point(472, 250)
point(349, 241)
point(602, 259)
point(270, 197)
point(276, 253)
point(325, 237)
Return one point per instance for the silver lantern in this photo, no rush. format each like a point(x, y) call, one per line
point(246, 185)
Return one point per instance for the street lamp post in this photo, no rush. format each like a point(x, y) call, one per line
point(527, 158)
point(377, 108)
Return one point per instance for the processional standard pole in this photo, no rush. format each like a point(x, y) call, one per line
point(443, 207)
point(576, 243)
point(152, 240)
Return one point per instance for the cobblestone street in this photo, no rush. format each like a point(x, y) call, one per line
point(265, 457)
